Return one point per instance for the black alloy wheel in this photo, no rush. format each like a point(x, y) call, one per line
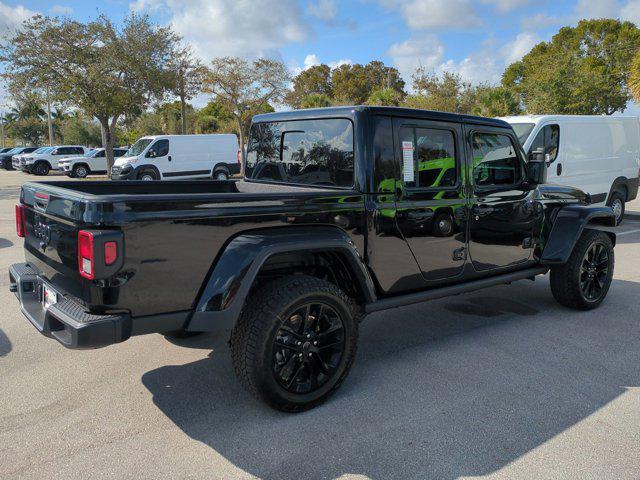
point(594, 271)
point(308, 348)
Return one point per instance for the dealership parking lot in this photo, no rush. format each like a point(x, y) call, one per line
point(502, 383)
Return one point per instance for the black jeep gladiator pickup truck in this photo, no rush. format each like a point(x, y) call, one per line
point(342, 212)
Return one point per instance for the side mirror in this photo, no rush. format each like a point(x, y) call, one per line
point(537, 167)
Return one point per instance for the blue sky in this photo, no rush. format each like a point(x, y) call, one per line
point(476, 38)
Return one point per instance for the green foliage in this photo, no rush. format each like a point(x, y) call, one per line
point(80, 130)
point(27, 122)
point(583, 70)
point(316, 100)
point(354, 84)
point(444, 93)
point(385, 97)
point(314, 81)
point(495, 102)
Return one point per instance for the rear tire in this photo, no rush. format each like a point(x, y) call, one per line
point(295, 342)
point(617, 203)
point(220, 175)
point(583, 282)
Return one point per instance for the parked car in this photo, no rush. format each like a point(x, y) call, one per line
point(92, 163)
point(47, 159)
point(598, 154)
point(164, 157)
point(6, 159)
point(18, 161)
point(292, 262)
point(5, 149)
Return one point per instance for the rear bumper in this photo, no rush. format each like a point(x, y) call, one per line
point(66, 321)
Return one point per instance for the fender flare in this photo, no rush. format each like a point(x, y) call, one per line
point(224, 290)
point(619, 183)
point(140, 168)
point(220, 166)
point(567, 228)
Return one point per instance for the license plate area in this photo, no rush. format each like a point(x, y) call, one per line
point(49, 296)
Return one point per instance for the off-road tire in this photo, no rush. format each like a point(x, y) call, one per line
point(565, 279)
point(618, 198)
point(253, 336)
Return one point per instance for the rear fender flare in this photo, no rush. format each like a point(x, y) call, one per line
point(224, 291)
point(619, 185)
point(567, 228)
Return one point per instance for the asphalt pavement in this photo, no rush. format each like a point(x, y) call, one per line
point(503, 384)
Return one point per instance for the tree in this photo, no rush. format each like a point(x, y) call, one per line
point(315, 80)
point(385, 97)
point(445, 93)
point(104, 71)
point(26, 121)
point(495, 102)
point(354, 84)
point(582, 70)
point(187, 82)
point(214, 118)
point(316, 100)
point(245, 88)
point(80, 130)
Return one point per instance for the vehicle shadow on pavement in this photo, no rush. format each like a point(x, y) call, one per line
point(457, 387)
point(5, 344)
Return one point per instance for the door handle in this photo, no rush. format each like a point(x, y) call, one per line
point(169, 158)
point(559, 169)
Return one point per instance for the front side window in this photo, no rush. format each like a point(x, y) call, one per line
point(428, 158)
point(495, 160)
point(159, 149)
point(307, 152)
point(547, 139)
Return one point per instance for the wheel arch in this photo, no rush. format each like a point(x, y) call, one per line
point(569, 225)
point(84, 164)
point(251, 258)
point(619, 184)
point(220, 166)
point(141, 168)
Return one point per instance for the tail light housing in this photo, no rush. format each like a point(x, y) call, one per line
point(100, 253)
point(21, 220)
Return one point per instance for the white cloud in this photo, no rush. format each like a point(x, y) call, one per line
point(631, 11)
point(431, 14)
point(518, 47)
point(61, 10)
point(504, 6)
point(246, 28)
point(425, 52)
point(311, 60)
point(539, 20)
point(597, 8)
point(12, 17)
point(323, 10)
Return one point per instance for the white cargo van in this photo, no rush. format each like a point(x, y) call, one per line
point(598, 154)
point(176, 157)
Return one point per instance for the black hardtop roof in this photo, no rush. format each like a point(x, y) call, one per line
point(350, 112)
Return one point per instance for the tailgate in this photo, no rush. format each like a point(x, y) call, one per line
point(53, 219)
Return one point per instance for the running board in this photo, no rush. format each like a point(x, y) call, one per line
point(450, 290)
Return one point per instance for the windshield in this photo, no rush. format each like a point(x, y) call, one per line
point(309, 152)
point(16, 150)
point(522, 131)
point(138, 147)
point(43, 150)
point(93, 153)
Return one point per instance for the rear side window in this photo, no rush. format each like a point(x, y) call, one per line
point(307, 152)
point(495, 160)
point(548, 139)
point(428, 157)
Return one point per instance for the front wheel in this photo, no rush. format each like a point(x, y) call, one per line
point(41, 169)
point(220, 175)
point(80, 171)
point(148, 176)
point(295, 342)
point(583, 282)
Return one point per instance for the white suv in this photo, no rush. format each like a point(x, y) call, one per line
point(47, 158)
point(94, 162)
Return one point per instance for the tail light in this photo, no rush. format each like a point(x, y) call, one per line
point(86, 259)
point(100, 253)
point(21, 223)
